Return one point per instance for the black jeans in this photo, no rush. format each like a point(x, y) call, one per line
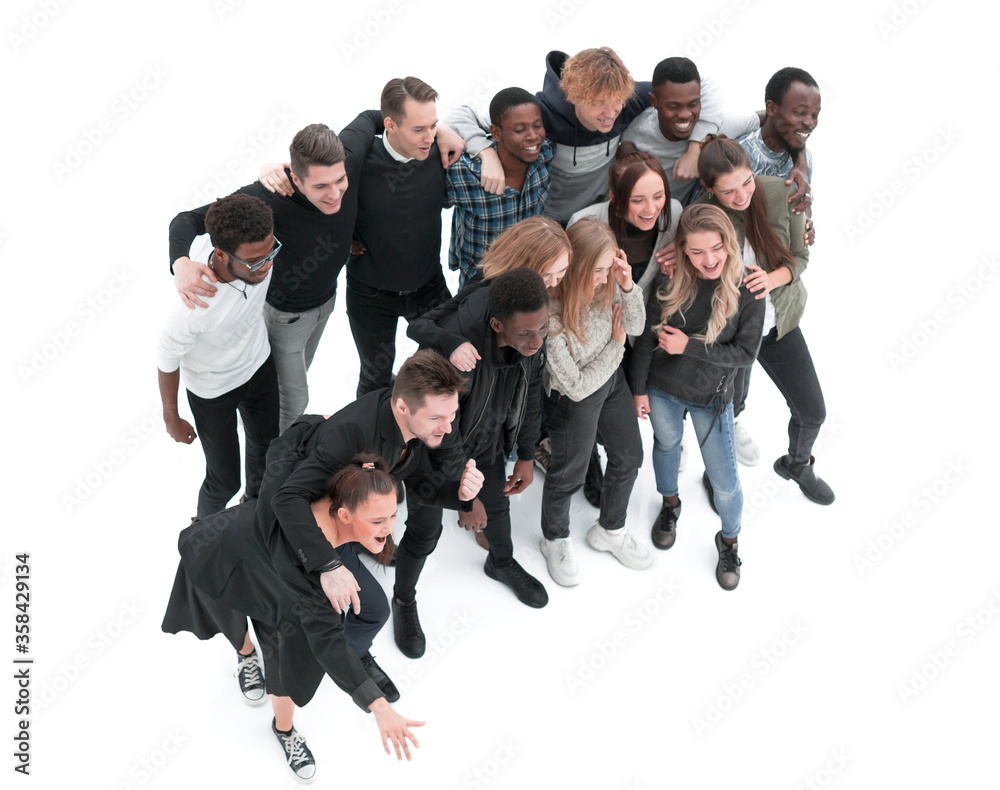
point(609, 416)
point(374, 313)
point(215, 420)
point(789, 365)
point(423, 529)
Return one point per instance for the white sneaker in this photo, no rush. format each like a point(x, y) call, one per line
point(622, 545)
point(747, 450)
point(561, 562)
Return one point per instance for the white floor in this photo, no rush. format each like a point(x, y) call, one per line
point(860, 649)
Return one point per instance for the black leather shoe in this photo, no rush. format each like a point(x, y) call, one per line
point(406, 629)
point(803, 473)
point(526, 587)
point(381, 679)
point(665, 526)
point(594, 480)
point(711, 491)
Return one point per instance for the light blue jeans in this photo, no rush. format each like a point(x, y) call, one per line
point(294, 338)
point(666, 413)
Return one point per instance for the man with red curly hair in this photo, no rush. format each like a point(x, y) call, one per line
point(586, 102)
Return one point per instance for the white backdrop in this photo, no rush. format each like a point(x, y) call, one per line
point(860, 648)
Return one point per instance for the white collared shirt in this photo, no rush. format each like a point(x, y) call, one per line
point(392, 151)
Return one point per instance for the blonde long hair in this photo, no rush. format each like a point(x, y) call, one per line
point(533, 243)
point(678, 294)
point(592, 241)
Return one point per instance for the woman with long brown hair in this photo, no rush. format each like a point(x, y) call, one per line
point(703, 325)
point(770, 236)
point(590, 312)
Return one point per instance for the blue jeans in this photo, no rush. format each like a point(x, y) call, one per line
point(666, 413)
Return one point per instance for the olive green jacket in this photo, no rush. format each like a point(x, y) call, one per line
point(789, 300)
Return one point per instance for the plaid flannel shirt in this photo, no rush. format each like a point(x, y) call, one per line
point(481, 216)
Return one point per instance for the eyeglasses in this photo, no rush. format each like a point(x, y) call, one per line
point(255, 266)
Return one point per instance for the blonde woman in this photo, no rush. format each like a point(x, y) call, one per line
point(591, 311)
point(703, 325)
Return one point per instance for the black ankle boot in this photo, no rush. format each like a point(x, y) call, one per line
point(805, 475)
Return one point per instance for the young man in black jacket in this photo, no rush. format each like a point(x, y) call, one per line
point(507, 323)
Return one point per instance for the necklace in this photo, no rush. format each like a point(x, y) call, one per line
point(211, 263)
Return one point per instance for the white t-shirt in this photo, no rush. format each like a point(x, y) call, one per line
point(220, 347)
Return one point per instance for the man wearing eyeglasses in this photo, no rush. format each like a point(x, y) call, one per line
point(224, 354)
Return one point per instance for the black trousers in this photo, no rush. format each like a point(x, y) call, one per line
point(359, 630)
point(609, 415)
point(789, 365)
point(423, 529)
point(374, 314)
point(215, 419)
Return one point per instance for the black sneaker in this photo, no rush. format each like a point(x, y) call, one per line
point(251, 682)
point(381, 679)
point(710, 491)
point(727, 572)
point(297, 755)
point(526, 587)
point(406, 629)
point(665, 526)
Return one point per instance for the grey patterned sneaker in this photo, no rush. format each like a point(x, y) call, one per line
point(727, 572)
point(543, 455)
point(622, 545)
point(251, 681)
point(297, 755)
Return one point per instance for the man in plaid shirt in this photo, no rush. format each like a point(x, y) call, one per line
point(526, 156)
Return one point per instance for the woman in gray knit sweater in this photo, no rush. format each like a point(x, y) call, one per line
point(591, 311)
point(703, 325)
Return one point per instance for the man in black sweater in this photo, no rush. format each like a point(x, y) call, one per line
point(397, 424)
point(314, 226)
point(395, 267)
point(509, 322)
